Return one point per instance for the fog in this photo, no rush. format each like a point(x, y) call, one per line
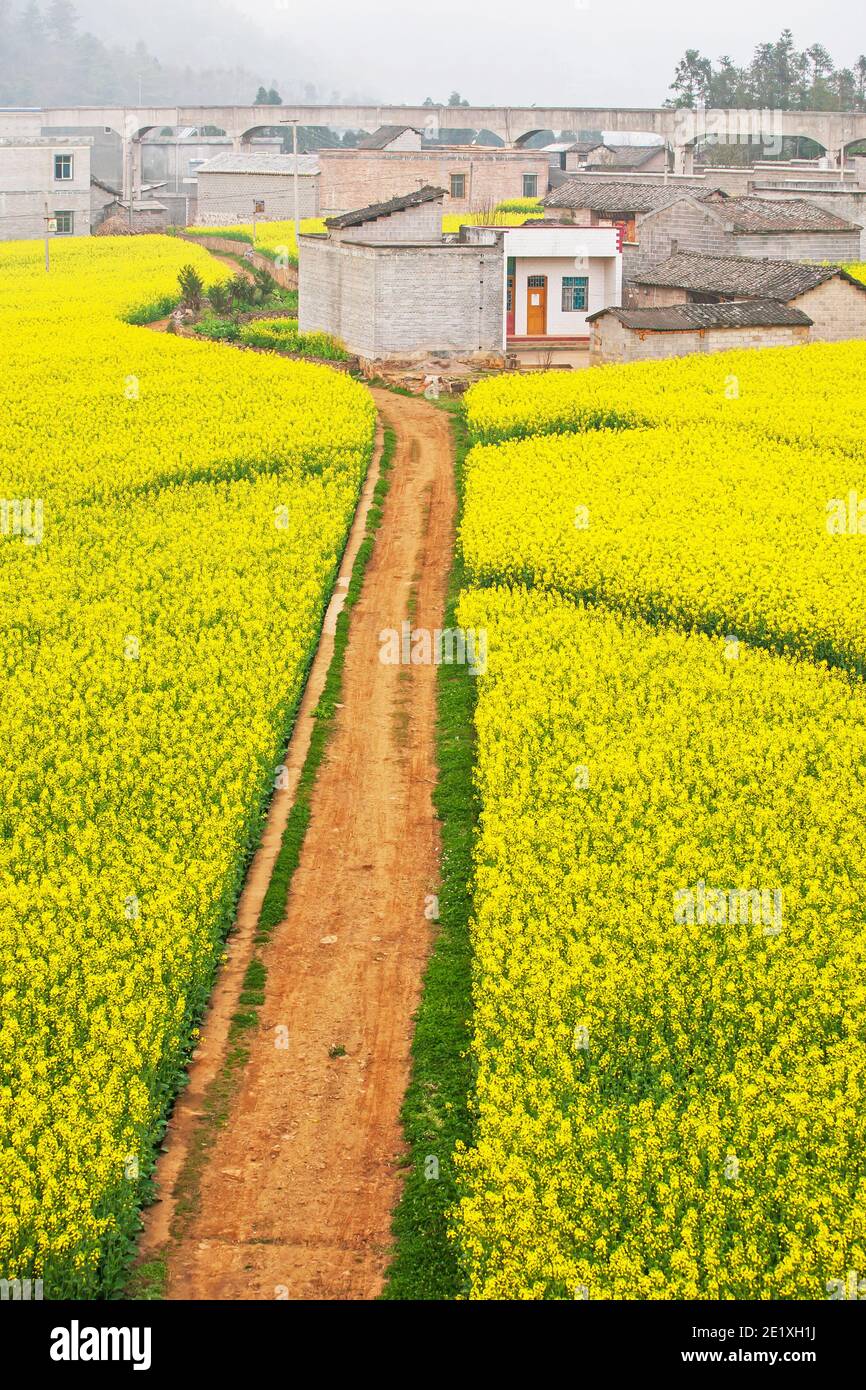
point(582, 52)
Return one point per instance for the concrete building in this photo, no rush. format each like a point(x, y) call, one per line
point(388, 283)
point(833, 300)
point(230, 185)
point(640, 335)
point(35, 173)
point(474, 177)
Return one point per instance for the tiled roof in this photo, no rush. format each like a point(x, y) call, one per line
point(750, 313)
point(746, 213)
point(427, 194)
point(628, 156)
point(739, 275)
point(612, 196)
point(383, 136)
point(230, 163)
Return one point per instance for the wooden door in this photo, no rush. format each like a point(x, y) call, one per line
point(536, 306)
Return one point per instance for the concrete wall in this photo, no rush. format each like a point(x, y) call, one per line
point(610, 341)
point(560, 323)
point(224, 199)
point(355, 178)
point(385, 301)
point(837, 309)
point(27, 180)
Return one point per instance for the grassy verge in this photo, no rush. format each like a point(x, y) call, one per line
point(435, 1111)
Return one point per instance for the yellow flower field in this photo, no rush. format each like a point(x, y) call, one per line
point(665, 1108)
point(720, 530)
point(800, 395)
point(272, 238)
point(669, 873)
point(174, 515)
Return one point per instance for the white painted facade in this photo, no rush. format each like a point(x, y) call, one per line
point(557, 253)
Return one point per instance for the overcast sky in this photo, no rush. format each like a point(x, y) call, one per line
point(518, 52)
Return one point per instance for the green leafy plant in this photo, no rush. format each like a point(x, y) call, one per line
point(191, 287)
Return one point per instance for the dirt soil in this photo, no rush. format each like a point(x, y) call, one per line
point(299, 1187)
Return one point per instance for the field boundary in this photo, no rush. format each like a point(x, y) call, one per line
point(201, 1108)
point(435, 1113)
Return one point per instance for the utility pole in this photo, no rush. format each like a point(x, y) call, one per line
point(47, 220)
point(293, 122)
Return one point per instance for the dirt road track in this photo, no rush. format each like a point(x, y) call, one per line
point(299, 1188)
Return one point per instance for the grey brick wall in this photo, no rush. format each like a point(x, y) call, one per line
point(226, 199)
point(612, 342)
point(355, 178)
point(386, 301)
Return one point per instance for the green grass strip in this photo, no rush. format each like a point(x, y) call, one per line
point(435, 1111)
point(274, 905)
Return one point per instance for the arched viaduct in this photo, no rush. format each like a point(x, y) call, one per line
point(680, 129)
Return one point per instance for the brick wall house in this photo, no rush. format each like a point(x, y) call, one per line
point(473, 177)
point(231, 184)
point(388, 283)
point(33, 172)
point(832, 299)
point(653, 334)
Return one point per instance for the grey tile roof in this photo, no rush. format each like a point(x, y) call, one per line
point(613, 196)
point(739, 275)
point(745, 213)
point(427, 194)
point(231, 163)
point(383, 136)
point(628, 156)
point(750, 313)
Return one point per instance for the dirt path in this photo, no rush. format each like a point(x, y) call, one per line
point(298, 1191)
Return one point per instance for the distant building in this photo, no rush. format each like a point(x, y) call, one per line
point(639, 335)
point(647, 159)
point(655, 217)
point(39, 174)
point(230, 185)
point(717, 223)
point(391, 137)
point(474, 177)
point(388, 283)
point(833, 299)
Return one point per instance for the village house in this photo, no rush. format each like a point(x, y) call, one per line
point(474, 177)
point(40, 173)
point(609, 202)
point(718, 223)
point(231, 186)
point(647, 159)
point(387, 282)
point(640, 335)
point(392, 137)
point(654, 217)
point(834, 300)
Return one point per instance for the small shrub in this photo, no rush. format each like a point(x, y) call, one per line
point(191, 287)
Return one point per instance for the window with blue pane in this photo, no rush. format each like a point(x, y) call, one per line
point(574, 291)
